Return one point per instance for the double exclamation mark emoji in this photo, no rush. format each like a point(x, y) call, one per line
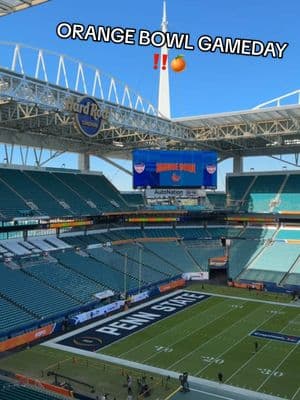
point(163, 63)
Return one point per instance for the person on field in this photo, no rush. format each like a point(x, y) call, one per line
point(220, 377)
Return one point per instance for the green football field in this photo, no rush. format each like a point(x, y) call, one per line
point(214, 336)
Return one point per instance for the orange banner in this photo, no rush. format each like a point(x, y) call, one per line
point(175, 167)
point(218, 261)
point(26, 338)
point(243, 285)
point(35, 382)
point(172, 285)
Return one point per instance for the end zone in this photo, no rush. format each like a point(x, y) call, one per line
point(109, 330)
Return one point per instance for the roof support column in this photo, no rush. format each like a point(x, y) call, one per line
point(238, 164)
point(84, 162)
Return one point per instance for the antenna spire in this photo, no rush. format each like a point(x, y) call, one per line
point(164, 86)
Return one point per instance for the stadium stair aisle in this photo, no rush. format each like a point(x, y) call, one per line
point(289, 198)
point(237, 186)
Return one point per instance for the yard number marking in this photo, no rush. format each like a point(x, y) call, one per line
point(213, 360)
point(163, 349)
point(266, 371)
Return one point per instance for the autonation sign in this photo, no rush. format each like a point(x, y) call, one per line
point(88, 115)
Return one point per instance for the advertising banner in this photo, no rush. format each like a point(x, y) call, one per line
point(195, 276)
point(97, 312)
point(26, 338)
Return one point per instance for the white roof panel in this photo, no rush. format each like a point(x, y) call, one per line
point(10, 6)
point(236, 117)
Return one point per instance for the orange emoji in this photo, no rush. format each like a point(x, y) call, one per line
point(178, 64)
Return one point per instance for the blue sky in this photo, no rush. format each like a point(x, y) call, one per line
point(211, 83)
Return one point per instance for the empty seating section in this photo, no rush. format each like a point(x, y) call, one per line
point(41, 243)
point(157, 233)
point(202, 253)
point(86, 191)
point(153, 258)
point(12, 317)
point(87, 240)
point(116, 259)
point(94, 269)
point(73, 240)
point(175, 254)
point(273, 262)
point(278, 257)
point(263, 193)
point(35, 296)
point(294, 276)
point(32, 192)
point(108, 191)
point(134, 199)
point(54, 241)
point(191, 233)
point(62, 192)
point(289, 199)
point(112, 236)
point(11, 205)
point(67, 280)
point(217, 200)
point(236, 188)
point(261, 275)
point(13, 391)
point(288, 234)
point(57, 194)
point(14, 247)
point(227, 232)
point(257, 233)
point(131, 233)
point(241, 252)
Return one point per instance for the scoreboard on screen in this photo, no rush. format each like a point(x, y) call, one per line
point(169, 169)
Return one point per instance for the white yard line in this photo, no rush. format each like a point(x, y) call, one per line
point(164, 372)
point(255, 354)
point(297, 391)
point(278, 366)
point(214, 395)
point(194, 331)
point(234, 344)
point(207, 341)
point(169, 330)
point(249, 299)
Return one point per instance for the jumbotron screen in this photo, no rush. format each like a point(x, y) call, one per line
point(168, 169)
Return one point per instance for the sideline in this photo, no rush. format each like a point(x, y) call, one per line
point(227, 389)
point(276, 303)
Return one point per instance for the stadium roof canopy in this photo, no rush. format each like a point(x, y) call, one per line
point(241, 117)
point(33, 113)
point(10, 6)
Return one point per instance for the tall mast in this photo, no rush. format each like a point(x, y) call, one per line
point(164, 87)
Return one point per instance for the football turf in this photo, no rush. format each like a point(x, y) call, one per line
point(214, 336)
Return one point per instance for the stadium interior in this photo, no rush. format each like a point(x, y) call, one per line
point(75, 250)
point(51, 273)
